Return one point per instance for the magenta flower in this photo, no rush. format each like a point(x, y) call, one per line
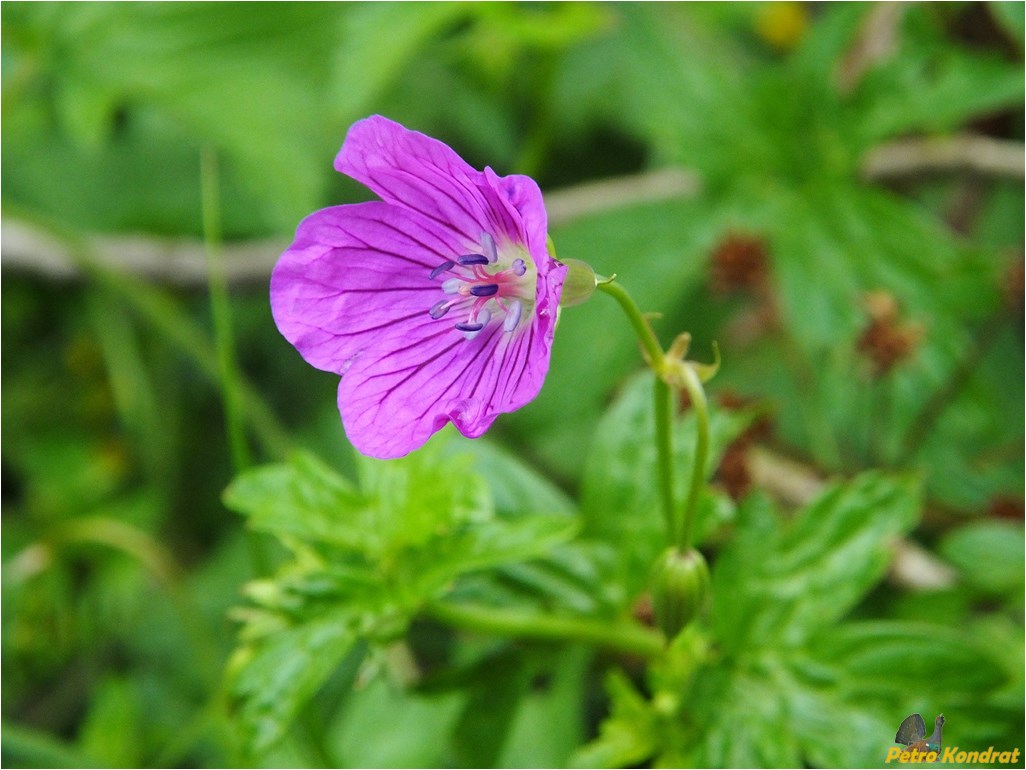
point(436, 304)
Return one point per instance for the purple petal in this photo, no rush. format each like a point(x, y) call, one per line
point(414, 171)
point(355, 278)
point(393, 402)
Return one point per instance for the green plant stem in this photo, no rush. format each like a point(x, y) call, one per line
point(630, 639)
point(649, 344)
point(664, 412)
point(693, 385)
point(220, 310)
point(662, 397)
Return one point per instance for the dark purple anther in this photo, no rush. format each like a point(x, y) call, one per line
point(447, 265)
point(439, 309)
point(465, 327)
point(473, 259)
point(485, 290)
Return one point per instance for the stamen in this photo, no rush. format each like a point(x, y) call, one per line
point(512, 316)
point(488, 245)
point(451, 285)
point(473, 259)
point(485, 290)
point(439, 309)
point(519, 267)
point(469, 327)
point(447, 265)
point(483, 317)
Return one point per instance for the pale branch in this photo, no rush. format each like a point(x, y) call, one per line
point(797, 485)
point(875, 41)
point(183, 262)
point(959, 153)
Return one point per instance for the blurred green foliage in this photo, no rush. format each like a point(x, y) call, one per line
point(871, 329)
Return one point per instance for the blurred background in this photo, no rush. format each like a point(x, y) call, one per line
point(833, 192)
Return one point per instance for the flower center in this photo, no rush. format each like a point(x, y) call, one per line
point(486, 286)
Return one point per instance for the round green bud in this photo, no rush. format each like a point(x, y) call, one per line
point(579, 283)
point(680, 589)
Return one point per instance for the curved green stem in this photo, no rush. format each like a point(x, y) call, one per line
point(693, 385)
point(630, 639)
point(647, 338)
point(663, 396)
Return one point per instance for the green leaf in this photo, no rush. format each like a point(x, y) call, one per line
point(274, 678)
point(628, 737)
point(496, 685)
point(549, 722)
point(989, 554)
point(881, 658)
point(305, 499)
point(384, 725)
point(484, 545)
point(26, 747)
point(111, 729)
point(740, 723)
point(933, 86)
point(778, 582)
point(835, 703)
point(1012, 19)
point(516, 487)
point(365, 64)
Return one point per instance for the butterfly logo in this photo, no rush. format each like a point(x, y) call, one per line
point(912, 733)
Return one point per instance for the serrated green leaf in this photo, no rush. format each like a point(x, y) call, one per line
point(484, 545)
point(740, 726)
point(779, 581)
point(400, 503)
point(883, 659)
point(422, 496)
point(273, 679)
point(304, 498)
point(628, 737)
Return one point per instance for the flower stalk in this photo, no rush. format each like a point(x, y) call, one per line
point(673, 374)
point(630, 639)
point(693, 385)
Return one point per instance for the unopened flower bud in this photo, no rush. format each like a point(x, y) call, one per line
point(680, 588)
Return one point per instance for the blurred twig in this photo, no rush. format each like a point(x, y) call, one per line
point(961, 152)
point(877, 39)
point(184, 262)
point(798, 485)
